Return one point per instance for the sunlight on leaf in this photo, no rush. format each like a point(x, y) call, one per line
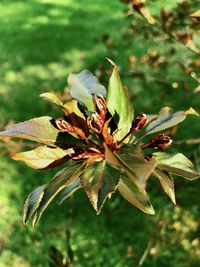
point(39, 130)
point(51, 97)
point(44, 157)
point(196, 14)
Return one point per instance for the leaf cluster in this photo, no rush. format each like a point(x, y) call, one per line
point(96, 141)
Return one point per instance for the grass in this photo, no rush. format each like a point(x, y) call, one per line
point(42, 41)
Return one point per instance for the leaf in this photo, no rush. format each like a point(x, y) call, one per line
point(137, 168)
point(83, 86)
point(71, 107)
point(99, 182)
point(140, 167)
point(177, 164)
point(44, 157)
point(118, 104)
point(138, 198)
point(62, 179)
point(75, 117)
point(196, 14)
point(69, 190)
point(32, 202)
point(167, 183)
point(40, 130)
point(52, 98)
point(167, 119)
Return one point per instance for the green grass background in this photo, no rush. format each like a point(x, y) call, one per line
point(41, 42)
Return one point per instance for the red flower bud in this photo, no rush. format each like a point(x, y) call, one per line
point(160, 142)
point(138, 123)
point(96, 120)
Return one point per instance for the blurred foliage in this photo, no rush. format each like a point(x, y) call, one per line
point(41, 42)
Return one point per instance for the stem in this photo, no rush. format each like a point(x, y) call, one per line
point(158, 227)
point(122, 140)
point(140, 139)
point(95, 144)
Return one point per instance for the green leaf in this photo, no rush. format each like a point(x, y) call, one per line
point(62, 179)
point(51, 97)
point(137, 168)
point(32, 203)
point(118, 104)
point(167, 183)
point(83, 86)
point(44, 157)
point(177, 164)
point(100, 181)
point(69, 190)
point(167, 118)
point(40, 130)
point(140, 167)
point(138, 198)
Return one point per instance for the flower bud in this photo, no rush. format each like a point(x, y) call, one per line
point(160, 142)
point(138, 123)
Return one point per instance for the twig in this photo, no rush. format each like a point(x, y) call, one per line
point(156, 230)
point(188, 142)
point(70, 254)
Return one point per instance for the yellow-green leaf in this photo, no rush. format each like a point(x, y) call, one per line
point(52, 98)
point(196, 14)
point(44, 157)
point(118, 104)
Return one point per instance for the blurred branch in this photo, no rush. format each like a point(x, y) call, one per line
point(70, 254)
point(185, 39)
point(188, 142)
point(160, 224)
point(154, 76)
